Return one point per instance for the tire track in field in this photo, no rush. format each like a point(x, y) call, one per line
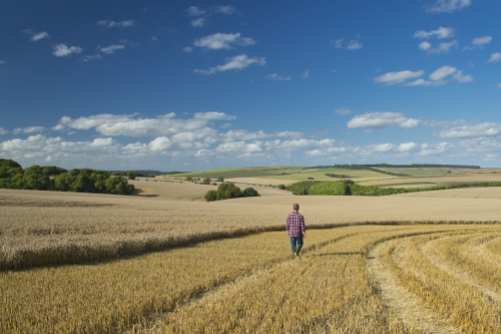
point(430, 252)
point(401, 303)
point(219, 291)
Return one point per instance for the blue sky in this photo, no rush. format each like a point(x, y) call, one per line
point(180, 85)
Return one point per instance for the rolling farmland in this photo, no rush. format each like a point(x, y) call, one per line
point(167, 262)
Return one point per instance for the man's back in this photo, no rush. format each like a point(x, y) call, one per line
point(295, 224)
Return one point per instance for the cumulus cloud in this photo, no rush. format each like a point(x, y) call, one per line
point(352, 45)
point(481, 41)
point(62, 50)
point(392, 78)
point(111, 49)
point(31, 129)
point(228, 10)
point(442, 72)
point(342, 111)
point(436, 78)
point(447, 6)
point(470, 131)
point(306, 74)
point(276, 77)
point(195, 11)
point(425, 46)
point(88, 58)
point(495, 57)
point(36, 36)
point(200, 22)
point(223, 41)
point(236, 63)
point(377, 120)
point(115, 24)
point(3, 132)
point(188, 49)
point(440, 33)
point(442, 47)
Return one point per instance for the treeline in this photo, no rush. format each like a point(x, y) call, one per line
point(13, 176)
point(350, 188)
point(229, 190)
point(339, 176)
point(384, 165)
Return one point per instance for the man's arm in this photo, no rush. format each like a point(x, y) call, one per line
point(303, 226)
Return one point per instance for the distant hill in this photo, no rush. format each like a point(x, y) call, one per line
point(146, 172)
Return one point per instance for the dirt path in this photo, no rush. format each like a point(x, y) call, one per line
point(402, 304)
point(429, 251)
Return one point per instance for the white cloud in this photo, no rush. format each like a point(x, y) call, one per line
point(31, 129)
point(462, 78)
point(228, 10)
point(342, 111)
point(424, 46)
point(447, 6)
point(111, 49)
point(223, 41)
point(276, 77)
point(100, 142)
point(195, 11)
point(384, 147)
point(442, 72)
point(236, 63)
point(443, 47)
point(481, 41)
point(495, 57)
point(378, 120)
point(200, 22)
point(131, 126)
point(188, 49)
point(392, 78)
point(38, 36)
point(88, 58)
point(440, 33)
point(352, 45)
point(2, 62)
point(470, 131)
point(114, 24)
point(62, 50)
point(306, 74)
point(214, 116)
point(3, 132)
point(499, 85)
point(407, 147)
point(419, 82)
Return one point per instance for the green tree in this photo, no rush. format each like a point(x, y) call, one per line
point(211, 195)
point(206, 181)
point(250, 192)
point(220, 179)
point(35, 178)
point(132, 175)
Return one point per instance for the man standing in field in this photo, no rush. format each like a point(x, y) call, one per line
point(296, 229)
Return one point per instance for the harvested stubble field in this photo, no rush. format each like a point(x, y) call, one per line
point(211, 273)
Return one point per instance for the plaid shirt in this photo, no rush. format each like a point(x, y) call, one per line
point(295, 224)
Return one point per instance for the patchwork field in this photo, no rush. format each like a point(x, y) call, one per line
point(165, 261)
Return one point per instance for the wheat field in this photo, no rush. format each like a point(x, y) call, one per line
point(80, 263)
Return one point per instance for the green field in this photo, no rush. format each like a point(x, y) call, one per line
point(241, 172)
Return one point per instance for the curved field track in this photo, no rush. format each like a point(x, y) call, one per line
point(355, 279)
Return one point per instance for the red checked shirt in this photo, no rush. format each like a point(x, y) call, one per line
point(295, 224)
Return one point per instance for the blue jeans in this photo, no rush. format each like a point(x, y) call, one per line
point(296, 244)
